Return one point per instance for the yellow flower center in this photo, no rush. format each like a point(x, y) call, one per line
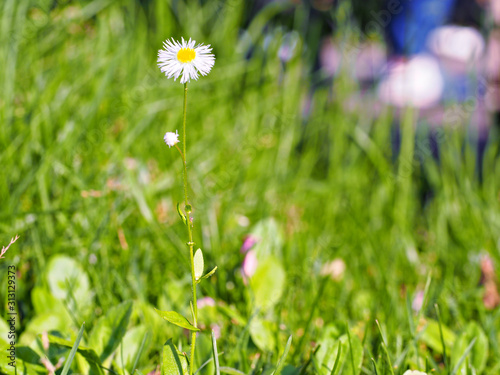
point(186, 55)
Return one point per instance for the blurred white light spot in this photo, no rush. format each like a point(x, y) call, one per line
point(417, 82)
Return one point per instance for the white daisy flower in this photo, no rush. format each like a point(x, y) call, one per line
point(171, 139)
point(186, 59)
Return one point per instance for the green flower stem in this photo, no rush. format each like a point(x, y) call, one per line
point(187, 208)
point(184, 145)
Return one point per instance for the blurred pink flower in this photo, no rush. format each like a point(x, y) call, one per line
point(288, 46)
point(250, 263)
point(493, 56)
point(491, 297)
point(495, 10)
point(155, 372)
point(206, 301)
point(329, 57)
point(418, 301)
point(335, 269)
point(216, 329)
point(45, 340)
point(487, 266)
point(370, 61)
point(248, 243)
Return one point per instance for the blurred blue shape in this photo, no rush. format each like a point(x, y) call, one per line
point(409, 28)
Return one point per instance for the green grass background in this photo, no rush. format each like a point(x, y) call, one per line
point(86, 174)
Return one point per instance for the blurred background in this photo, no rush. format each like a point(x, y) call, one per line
point(343, 165)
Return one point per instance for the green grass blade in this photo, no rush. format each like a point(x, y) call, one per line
point(462, 358)
point(72, 353)
point(206, 363)
point(215, 354)
point(384, 347)
point(139, 352)
point(426, 296)
point(281, 362)
point(231, 371)
point(374, 366)
point(337, 360)
point(350, 349)
point(445, 360)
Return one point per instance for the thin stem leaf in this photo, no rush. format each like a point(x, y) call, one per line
point(177, 319)
point(181, 214)
point(206, 276)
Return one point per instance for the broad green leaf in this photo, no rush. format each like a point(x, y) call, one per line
point(199, 264)
point(4, 332)
point(432, 338)
point(27, 355)
point(68, 281)
point(325, 355)
point(262, 334)
point(177, 319)
point(40, 323)
point(89, 354)
point(51, 315)
point(44, 302)
point(22, 367)
point(173, 362)
point(268, 283)
point(290, 370)
point(110, 329)
point(479, 352)
point(269, 238)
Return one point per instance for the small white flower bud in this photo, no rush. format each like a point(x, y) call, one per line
point(171, 139)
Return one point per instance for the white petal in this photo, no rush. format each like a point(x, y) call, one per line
point(169, 64)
